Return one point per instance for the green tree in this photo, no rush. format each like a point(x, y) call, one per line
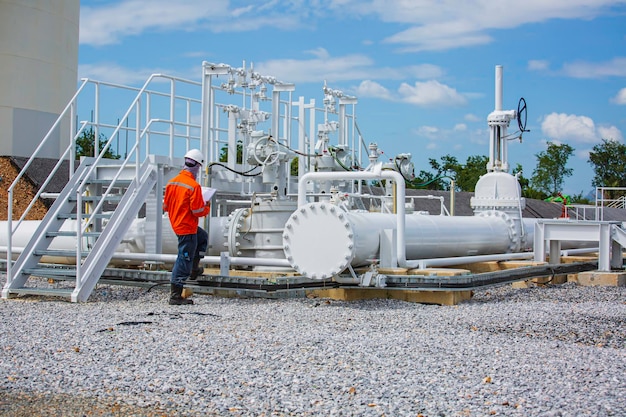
point(446, 167)
point(609, 164)
point(527, 190)
point(551, 169)
point(224, 153)
point(467, 175)
point(86, 141)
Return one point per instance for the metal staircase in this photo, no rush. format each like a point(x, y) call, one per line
point(97, 234)
point(82, 229)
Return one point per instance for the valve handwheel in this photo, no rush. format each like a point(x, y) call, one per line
point(522, 115)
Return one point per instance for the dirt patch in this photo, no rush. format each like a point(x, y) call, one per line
point(23, 193)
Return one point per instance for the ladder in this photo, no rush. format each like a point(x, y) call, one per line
point(97, 233)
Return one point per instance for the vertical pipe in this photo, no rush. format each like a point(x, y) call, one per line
point(205, 105)
point(172, 112)
point(148, 101)
point(342, 124)
point(498, 88)
point(232, 139)
point(301, 136)
point(73, 137)
point(452, 185)
point(79, 231)
point(138, 139)
point(96, 132)
point(9, 235)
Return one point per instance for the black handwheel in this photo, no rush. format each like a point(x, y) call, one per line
point(522, 115)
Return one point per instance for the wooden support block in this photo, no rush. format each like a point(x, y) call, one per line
point(425, 297)
point(480, 267)
point(393, 271)
point(519, 264)
point(573, 259)
point(605, 279)
point(439, 272)
point(253, 274)
point(448, 298)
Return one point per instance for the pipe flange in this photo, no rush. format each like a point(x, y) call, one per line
point(333, 242)
point(514, 235)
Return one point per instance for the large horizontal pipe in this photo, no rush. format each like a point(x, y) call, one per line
point(168, 258)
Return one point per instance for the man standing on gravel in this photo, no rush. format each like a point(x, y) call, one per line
point(184, 203)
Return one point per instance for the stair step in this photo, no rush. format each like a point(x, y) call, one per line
point(105, 181)
point(71, 234)
point(56, 292)
point(95, 198)
point(51, 272)
point(58, 252)
point(72, 216)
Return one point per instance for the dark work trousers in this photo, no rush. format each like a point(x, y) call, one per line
point(189, 247)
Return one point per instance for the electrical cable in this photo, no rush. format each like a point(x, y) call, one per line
point(245, 174)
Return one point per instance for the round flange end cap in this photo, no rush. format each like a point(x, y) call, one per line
point(318, 240)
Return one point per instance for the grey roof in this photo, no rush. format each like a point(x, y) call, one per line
point(40, 170)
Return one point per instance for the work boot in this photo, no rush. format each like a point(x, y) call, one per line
point(196, 269)
point(176, 296)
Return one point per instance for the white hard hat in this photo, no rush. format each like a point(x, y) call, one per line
point(196, 155)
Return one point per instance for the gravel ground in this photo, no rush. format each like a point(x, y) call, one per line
point(543, 351)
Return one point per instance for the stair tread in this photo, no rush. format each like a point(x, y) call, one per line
point(43, 291)
point(118, 182)
point(51, 272)
point(62, 216)
point(58, 252)
point(110, 198)
point(71, 233)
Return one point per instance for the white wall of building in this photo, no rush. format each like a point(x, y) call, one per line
point(38, 71)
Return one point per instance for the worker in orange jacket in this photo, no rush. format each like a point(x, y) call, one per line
point(184, 203)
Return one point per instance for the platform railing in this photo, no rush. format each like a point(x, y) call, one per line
point(178, 128)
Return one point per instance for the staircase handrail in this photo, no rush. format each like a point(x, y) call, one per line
point(139, 135)
point(70, 107)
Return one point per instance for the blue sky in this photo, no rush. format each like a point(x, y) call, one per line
point(422, 70)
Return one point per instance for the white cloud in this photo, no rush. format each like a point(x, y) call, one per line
point(430, 93)
point(471, 117)
point(561, 128)
point(325, 67)
point(431, 132)
point(448, 24)
point(610, 132)
point(460, 127)
point(114, 73)
point(581, 69)
point(432, 24)
point(620, 98)
point(369, 88)
point(109, 23)
point(538, 65)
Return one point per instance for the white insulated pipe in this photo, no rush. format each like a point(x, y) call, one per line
point(499, 88)
point(377, 173)
point(354, 238)
point(321, 239)
point(132, 247)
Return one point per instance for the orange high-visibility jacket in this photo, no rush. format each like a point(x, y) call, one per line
point(184, 203)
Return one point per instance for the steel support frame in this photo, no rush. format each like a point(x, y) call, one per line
point(551, 233)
